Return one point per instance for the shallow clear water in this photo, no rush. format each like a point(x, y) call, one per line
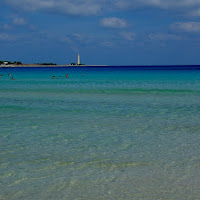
point(114, 133)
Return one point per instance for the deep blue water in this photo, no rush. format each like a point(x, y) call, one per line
point(112, 133)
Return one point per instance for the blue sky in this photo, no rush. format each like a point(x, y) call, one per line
point(110, 32)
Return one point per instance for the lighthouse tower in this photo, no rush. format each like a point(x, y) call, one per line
point(78, 59)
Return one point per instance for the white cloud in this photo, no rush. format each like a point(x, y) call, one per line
point(94, 7)
point(68, 40)
point(4, 36)
point(195, 13)
point(163, 36)
point(6, 27)
point(7, 37)
point(19, 21)
point(187, 26)
point(77, 40)
point(108, 44)
point(128, 35)
point(69, 7)
point(165, 4)
point(182, 7)
point(113, 22)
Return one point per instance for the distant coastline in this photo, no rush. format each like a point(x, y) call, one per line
point(40, 65)
point(173, 67)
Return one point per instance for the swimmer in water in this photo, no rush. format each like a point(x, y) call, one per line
point(53, 77)
point(1, 75)
point(67, 76)
point(9, 74)
point(12, 78)
point(59, 77)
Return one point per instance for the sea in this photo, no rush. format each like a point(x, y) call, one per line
point(103, 133)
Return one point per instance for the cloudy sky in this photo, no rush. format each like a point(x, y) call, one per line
point(112, 32)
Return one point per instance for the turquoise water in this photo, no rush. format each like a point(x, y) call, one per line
point(114, 133)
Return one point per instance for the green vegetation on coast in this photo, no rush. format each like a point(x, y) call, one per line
point(18, 63)
point(76, 64)
point(10, 63)
point(46, 64)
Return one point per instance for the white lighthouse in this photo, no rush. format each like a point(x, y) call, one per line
point(78, 59)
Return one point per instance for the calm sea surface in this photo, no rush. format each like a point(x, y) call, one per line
point(112, 133)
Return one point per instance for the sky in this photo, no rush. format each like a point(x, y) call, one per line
point(104, 32)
